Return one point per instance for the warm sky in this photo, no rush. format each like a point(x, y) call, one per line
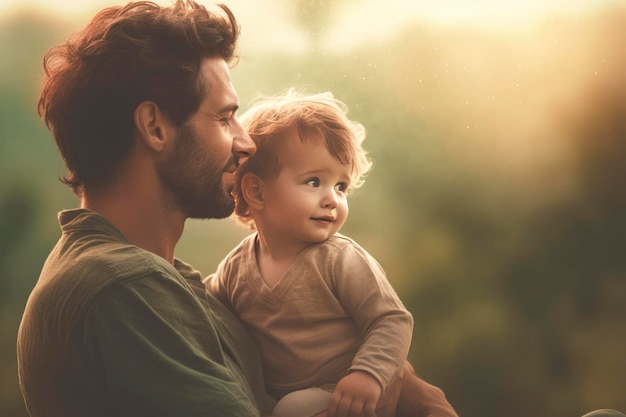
point(382, 16)
point(441, 10)
point(485, 13)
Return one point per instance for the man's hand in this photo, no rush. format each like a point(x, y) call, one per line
point(356, 395)
point(421, 399)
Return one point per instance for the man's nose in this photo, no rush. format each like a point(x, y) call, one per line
point(243, 145)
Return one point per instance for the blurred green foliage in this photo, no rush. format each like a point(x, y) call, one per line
point(496, 203)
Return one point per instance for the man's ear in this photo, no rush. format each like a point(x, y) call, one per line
point(252, 190)
point(152, 126)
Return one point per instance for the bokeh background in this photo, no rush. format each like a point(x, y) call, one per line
point(496, 203)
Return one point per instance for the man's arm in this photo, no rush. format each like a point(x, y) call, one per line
point(421, 399)
point(160, 353)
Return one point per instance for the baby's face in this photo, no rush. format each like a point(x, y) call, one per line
point(306, 201)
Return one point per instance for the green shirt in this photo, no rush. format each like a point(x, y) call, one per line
point(113, 330)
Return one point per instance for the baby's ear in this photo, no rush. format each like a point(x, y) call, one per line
point(252, 190)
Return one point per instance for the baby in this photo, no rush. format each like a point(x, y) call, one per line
point(331, 330)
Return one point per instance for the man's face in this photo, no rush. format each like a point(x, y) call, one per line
point(199, 172)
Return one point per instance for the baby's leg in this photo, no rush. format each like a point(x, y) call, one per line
point(308, 402)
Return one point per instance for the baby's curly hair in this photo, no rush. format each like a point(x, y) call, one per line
point(317, 114)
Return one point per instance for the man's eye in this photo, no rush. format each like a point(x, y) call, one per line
point(313, 182)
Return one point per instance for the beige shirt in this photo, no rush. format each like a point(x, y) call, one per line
point(331, 313)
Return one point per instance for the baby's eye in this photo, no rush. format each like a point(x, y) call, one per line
point(313, 182)
point(342, 187)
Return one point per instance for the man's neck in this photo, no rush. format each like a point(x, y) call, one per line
point(144, 220)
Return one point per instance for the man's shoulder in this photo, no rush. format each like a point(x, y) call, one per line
point(92, 250)
point(80, 268)
point(99, 258)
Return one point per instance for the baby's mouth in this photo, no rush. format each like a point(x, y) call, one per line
point(324, 219)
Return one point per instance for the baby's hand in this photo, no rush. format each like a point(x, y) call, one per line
point(356, 395)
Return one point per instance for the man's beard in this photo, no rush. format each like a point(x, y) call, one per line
point(194, 180)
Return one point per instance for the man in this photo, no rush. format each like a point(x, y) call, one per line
point(142, 109)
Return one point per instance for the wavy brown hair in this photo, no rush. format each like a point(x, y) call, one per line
point(126, 55)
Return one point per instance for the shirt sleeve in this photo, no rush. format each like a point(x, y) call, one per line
point(386, 325)
point(219, 284)
point(161, 354)
point(216, 288)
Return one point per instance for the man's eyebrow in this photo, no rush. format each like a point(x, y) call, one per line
point(230, 108)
